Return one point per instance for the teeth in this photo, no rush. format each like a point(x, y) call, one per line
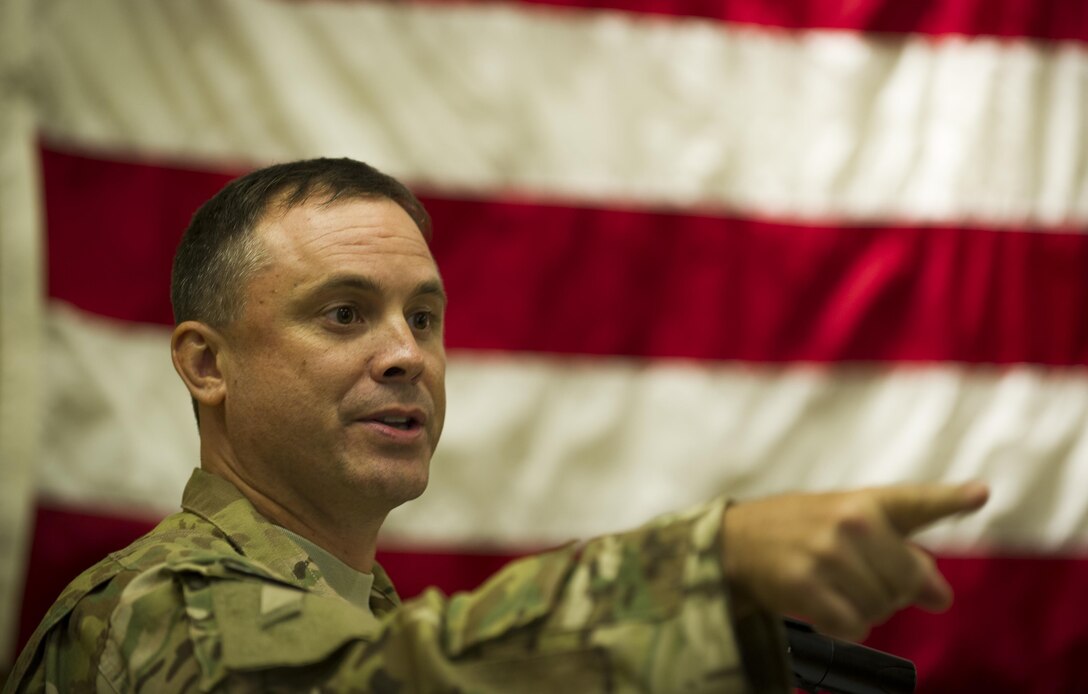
point(399, 422)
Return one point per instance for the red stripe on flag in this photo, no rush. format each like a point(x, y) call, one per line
point(579, 280)
point(1017, 625)
point(1054, 19)
point(566, 279)
point(998, 637)
point(112, 229)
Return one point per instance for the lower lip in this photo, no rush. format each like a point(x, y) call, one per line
point(410, 435)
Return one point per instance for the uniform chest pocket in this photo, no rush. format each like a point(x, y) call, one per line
point(252, 625)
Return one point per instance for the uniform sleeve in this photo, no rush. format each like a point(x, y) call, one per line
point(646, 610)
point(75, 654)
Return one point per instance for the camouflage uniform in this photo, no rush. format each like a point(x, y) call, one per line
point(216, 598)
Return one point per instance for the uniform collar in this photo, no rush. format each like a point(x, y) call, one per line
point(221, 503)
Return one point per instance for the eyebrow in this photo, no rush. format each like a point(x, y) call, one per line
point(366, 284)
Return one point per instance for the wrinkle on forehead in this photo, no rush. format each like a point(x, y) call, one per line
point(348, 227)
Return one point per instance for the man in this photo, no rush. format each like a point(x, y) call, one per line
point(309, 333)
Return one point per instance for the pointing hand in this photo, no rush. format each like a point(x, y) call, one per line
point(842, 560)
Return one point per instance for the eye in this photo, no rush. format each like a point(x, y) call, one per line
point(420, 320)
point(343, 315)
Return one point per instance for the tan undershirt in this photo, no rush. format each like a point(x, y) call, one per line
point(353, 586)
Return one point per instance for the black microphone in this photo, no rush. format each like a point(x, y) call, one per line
point(823, 664)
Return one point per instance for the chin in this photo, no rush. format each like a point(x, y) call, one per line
point(415, 493)
point(393, 482)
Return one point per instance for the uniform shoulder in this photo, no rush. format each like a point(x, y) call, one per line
point(181, 540)
point(175, 538)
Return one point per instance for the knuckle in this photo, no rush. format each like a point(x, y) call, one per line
point(912, 575)
point(821, 563)
point(828, 551)
point(870, 609)
point(801, 579)
point(808, 586)
point(855, 517)
point(901, 589)
point(815, 584)
point(914, 588)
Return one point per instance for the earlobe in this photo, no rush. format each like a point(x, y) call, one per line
point(195, 349)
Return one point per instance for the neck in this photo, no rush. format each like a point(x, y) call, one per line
point(349, 537)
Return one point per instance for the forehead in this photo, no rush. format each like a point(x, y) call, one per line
point(365, 233)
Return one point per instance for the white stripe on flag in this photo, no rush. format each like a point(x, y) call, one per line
point(578, 446)
point(586, 105)
point(126, 434)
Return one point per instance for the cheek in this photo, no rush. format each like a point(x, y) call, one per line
point(272, 379)
point(296, 378)
point(327, 377)
point(260, 388)
point(438, 389)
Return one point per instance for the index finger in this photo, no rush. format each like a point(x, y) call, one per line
point(914, 506)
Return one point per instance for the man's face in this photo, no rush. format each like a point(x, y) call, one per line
point(335, 371)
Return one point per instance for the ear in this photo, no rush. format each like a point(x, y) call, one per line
point(195, 348)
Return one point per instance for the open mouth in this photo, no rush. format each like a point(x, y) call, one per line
point(402, 423)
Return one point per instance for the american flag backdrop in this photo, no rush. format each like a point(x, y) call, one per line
point(692, 247)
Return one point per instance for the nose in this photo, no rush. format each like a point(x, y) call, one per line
point(398, 356)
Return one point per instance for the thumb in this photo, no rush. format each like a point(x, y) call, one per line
point(911, 507)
